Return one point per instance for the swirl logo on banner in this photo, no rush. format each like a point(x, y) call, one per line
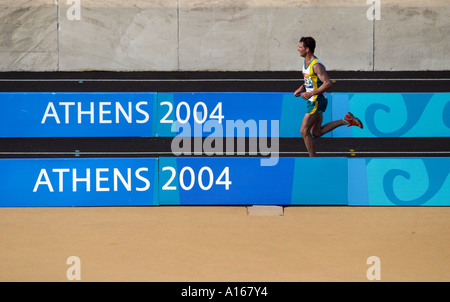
point(399, 181)
point(394, 114)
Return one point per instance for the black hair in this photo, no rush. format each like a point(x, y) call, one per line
point(309, 42)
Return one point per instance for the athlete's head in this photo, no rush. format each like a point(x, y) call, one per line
point(304, 43)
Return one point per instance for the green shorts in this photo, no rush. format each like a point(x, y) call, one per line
point(320, 105)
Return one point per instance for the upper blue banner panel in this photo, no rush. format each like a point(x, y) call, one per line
point(394, 114)
point(231, 114)
point(217, 114)
point(77, 114)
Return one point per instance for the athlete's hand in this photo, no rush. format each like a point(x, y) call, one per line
point(307, 95)
point(299, 91)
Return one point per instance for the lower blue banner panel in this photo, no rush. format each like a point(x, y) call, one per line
point(225, 181)
point(78, 182)
point(246, 181)
point(399, 181)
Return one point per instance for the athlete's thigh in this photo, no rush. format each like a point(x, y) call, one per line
point(317, 125)
point(310, 120)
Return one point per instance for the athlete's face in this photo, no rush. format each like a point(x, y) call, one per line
point(301, 49)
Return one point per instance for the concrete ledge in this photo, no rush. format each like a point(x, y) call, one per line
point(265, 210)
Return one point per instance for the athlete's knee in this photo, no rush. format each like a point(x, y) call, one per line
point(317, 133)
point(304, 132)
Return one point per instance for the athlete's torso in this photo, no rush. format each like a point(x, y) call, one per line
point(312, 81)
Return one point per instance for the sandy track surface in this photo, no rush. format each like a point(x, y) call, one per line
point(212, 243)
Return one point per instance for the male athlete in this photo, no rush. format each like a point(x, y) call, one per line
point(313, 91)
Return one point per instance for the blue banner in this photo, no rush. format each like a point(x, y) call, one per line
point(244, 181)
point(231, 114)
point(77, 114)
point(399, 181)
point(225, 181)
point(394, 114)
point(78, 182)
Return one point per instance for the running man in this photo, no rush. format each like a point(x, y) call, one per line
point(316, 83)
